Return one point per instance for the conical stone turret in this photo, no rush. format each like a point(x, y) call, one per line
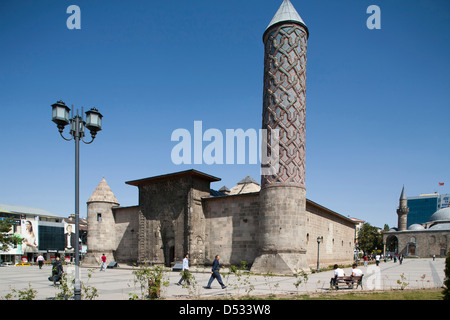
point(101, 235)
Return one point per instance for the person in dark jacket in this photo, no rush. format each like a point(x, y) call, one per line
point(57, 271)
point(215, 274)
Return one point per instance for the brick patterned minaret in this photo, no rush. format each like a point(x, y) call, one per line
point(283, 194)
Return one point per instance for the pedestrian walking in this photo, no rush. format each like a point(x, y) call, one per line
point(40, 260)
point(103, 265)
point(365, 260)
point(185, 275)
point(377, 259)
point(215, 274)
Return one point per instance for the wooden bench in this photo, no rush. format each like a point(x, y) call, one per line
point(346, 282)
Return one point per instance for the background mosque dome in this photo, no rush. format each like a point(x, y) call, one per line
point(441, 226)
point(441, 215)
point(415, 227)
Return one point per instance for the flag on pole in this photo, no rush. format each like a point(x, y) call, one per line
point(441, 183)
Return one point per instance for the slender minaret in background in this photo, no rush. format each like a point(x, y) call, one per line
point(283, 194)
point(402, 212)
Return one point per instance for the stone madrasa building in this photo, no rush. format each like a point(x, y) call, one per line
point(419, 240)
point(272, 226)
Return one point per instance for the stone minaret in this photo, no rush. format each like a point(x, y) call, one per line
point(402, 212)
point(283, 194)
point(101, 235)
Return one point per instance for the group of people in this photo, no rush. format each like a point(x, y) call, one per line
point(379, 257)
point(214, 272)
point(58, 270)
point(339, 272)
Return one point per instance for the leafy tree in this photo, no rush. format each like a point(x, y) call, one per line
point(369, 238)
point(7, 239)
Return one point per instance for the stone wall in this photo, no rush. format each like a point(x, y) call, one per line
point(425, 242)
point(231, 228)
point(126, 233)
point(171, 219)
point(232, 231)
point(338, 236)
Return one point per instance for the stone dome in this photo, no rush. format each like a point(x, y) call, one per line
point(416, 227)
point(441, 215)
point(441, 226)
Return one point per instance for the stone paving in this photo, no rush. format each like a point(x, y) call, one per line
point(118, 283)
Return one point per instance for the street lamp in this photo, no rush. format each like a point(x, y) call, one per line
point(319, 240)
point(60, 116)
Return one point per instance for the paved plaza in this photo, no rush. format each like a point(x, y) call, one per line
point(118, 283)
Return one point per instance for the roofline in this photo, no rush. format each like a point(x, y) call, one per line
point(231, 195)
point(428, 196)
point(185, 173)
point(394, 232)
point(307, 201)
point(331, 211)
point(356, 219)
point(127, 207)
point(14, 209)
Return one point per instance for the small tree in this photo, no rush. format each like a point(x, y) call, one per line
point(300, 277)
point(369, 238)
point(25, 294)
point(151, 282)
point(7, 239)
point(242, 278)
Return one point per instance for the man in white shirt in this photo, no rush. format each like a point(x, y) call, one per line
point(185, 271)
point(377, 260)
point(355, 271)
point(338, 272)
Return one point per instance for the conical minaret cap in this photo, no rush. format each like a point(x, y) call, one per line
point(103, 193)
point(402, 196)
point(286, 13)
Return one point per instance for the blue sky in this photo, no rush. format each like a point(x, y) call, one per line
point(377, 101)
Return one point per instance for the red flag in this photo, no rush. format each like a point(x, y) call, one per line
point(441, 183)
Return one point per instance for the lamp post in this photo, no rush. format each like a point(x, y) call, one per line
point(60, 116)
point(319, 240)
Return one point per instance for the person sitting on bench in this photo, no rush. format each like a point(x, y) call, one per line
point(355, 271)
point(338, 272)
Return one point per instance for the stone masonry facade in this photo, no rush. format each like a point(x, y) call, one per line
point(178, 213)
